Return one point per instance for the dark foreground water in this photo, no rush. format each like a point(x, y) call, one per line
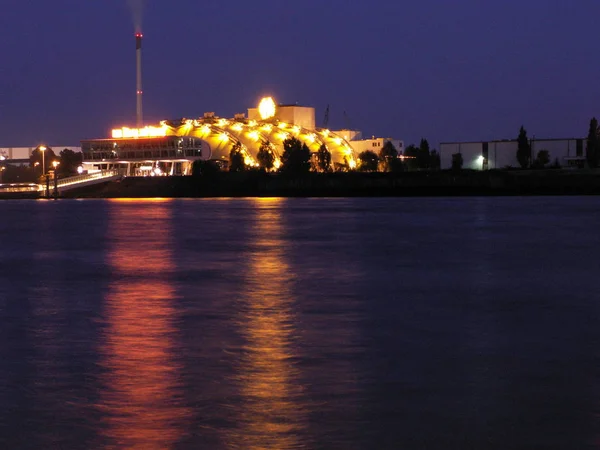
point(467, 323)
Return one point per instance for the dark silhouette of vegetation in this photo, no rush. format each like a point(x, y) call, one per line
point(457, 161)
point(412, 153)
point(296, 157)
point(542, 159)
point(387, 155)
point(69, 162)
point(523, 149)
point(592, 152)
point(41, 160)
point(323, 159)
point(434, 160)
point(388, 151)
point(207, 169)
point(236, 159)
point(20, 174)
point(368, 161)
point(265, 156)
point(423, 155)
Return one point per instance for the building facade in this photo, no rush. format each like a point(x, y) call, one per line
point(171, 147)
point(500, 154)
point(375, 144)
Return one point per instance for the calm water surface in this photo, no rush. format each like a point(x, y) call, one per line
point(467, 323)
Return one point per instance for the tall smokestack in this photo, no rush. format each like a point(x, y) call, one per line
point(139, 92)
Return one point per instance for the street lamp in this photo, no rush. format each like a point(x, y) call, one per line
point(42, 149)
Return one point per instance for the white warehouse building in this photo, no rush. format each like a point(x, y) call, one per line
point(501, 154)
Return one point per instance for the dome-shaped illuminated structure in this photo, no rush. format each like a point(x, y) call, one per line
point(222, 134)
point(212, 138)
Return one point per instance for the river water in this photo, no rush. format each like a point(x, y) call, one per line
point(446, 323)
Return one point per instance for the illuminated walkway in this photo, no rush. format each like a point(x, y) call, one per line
point(63, 184)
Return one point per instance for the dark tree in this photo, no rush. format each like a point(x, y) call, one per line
point(412, 154)
point(543, 158)
point(423, 155)
point(295, 158)
point(434, 160)
point(368, 161)
point(457, 161)
point(323, 159)
point(41, 160)
point(592, 152)
point(236, 159)
point(523, 149)
point(265, 156)
point(387, 155)
point(206, 169)
point(69, 162)
point(388, 151)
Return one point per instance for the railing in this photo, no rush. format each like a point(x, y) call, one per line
point(60, 183)
point(78, 179)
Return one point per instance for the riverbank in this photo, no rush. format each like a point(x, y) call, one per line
point(354, 184)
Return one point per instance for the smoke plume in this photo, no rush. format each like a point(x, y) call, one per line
point(137, 12)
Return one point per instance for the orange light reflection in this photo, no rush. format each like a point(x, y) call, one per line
point(270, 414)
point(141, 392)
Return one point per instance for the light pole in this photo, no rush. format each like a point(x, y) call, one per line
point(43, 150)
point(2, 168)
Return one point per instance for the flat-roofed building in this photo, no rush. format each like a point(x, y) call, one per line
point(499, 154)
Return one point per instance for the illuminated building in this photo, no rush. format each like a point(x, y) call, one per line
point(375, 144)
point(171, 147)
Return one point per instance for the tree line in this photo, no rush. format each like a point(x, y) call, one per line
point(65, 164)
point(542, 158)
point(297, 159)
point(390, 160)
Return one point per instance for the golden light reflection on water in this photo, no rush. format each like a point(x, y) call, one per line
point(270, 414)
point(141, 390)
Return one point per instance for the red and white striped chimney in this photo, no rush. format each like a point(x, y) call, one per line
point(139, 91)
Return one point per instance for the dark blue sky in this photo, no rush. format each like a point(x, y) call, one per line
point(463, 70)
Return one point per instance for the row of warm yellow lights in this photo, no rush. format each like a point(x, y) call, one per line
point(254, 135)
point(150, 131)
point(268, 128)
point(125, 132)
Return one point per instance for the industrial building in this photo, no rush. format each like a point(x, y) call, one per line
point(500, 154)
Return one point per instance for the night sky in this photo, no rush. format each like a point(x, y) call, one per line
point(462, 70)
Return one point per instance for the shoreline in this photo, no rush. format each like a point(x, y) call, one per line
point(354, 184)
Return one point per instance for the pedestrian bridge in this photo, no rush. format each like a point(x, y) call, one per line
point(61, 185)
point(88, 179)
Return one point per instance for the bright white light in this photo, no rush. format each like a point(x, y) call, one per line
point(267, 108)
point(80, 170)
